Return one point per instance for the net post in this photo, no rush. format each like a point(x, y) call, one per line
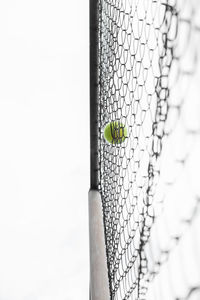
point(99, 283)
point(94, 93)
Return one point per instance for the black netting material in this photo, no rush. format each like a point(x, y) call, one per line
point(149, 80)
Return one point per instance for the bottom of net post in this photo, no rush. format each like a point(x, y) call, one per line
point(99, 284)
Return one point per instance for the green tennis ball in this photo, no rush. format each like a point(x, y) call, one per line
point(115, 133)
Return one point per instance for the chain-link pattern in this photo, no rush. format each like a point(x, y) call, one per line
point(149, 80)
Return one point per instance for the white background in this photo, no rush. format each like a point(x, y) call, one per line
point(44, 149)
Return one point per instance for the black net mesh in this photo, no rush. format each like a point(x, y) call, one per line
point(149, 80)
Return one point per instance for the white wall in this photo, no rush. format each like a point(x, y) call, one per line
point(44, 150)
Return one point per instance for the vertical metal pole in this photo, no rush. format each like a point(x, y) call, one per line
point(99, 283)
point(94, 93)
